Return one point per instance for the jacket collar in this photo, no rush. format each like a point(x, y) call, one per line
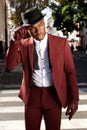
point(31, 51)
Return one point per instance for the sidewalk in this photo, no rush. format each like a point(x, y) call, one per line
point(2, 65)
point(81, 54)
point(10, 79)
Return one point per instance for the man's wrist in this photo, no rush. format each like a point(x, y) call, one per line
point(15, 41)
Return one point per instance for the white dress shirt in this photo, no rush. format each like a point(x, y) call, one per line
point(42, 77)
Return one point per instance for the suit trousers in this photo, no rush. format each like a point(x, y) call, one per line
point(43, 103)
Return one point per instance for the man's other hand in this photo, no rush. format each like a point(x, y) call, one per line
point(71, 109)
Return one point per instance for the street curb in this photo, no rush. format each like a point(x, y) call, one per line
point(10, 78)
point(9, 86)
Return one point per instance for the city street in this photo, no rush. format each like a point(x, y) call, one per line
point(12, 108)
point(12, 112)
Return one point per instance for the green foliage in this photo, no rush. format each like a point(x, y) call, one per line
point(69, 13)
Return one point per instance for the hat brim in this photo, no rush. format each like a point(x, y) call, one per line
point(26, 21)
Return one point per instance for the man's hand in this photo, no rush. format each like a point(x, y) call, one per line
point(71, 109)
point(20, 32)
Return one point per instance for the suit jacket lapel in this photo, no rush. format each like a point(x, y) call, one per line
point(31, 54)
point(50, 50)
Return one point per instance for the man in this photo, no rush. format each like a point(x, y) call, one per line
point(49, 78)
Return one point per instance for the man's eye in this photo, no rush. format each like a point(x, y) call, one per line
point(32, 29)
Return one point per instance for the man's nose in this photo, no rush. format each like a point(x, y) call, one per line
point(37, 30)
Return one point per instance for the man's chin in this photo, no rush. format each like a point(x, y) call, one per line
point(39, 38)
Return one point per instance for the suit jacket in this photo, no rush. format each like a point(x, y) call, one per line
point(62, 67)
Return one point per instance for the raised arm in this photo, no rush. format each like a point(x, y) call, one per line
point(13, 57)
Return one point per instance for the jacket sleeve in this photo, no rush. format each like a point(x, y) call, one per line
point(13, 57)
point(71, 73)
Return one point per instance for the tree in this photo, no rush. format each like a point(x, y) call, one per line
point(69, 13)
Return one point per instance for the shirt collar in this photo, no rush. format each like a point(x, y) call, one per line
point(42, 42)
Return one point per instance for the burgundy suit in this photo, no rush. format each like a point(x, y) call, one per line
point(62, 67)
point(45, 100)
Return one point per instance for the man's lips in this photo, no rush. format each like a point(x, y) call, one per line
point(39, 34)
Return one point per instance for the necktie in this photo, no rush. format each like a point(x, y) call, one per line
point(36, 67)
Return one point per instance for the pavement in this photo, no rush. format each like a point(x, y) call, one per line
point(80, 54)
point(10, 79)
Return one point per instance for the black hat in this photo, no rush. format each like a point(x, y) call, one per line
point(32, 15)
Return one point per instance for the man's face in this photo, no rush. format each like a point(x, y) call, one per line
point(37, 30)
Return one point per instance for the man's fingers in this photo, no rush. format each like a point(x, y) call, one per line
point(68, 111)
point(20, 32)
point(71, 111)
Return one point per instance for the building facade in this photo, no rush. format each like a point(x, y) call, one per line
point(2, 21)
